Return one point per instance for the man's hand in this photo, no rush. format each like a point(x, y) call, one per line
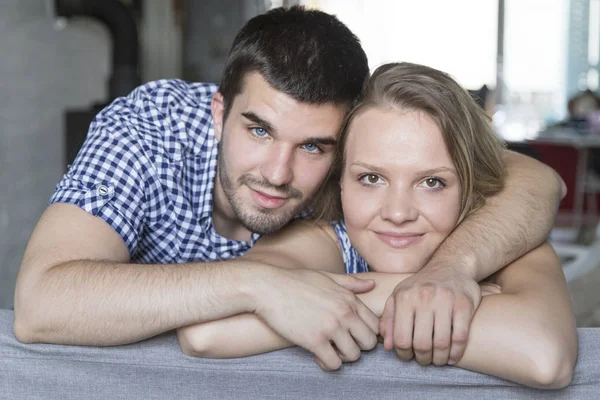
point(429, 314)
point(319, 312)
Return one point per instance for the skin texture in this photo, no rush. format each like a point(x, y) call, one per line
point(508, 226)
point(400, 191)
point(270, 160)
point(74, 255)
point(401, 199)
point(533, 303)
point(399, 178)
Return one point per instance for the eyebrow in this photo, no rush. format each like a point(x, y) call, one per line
point(438, 170)
point(326, 141)
point(331, 141)
point(258, 120)
point(432, 171)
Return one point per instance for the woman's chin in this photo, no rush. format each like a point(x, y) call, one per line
point(397, 266)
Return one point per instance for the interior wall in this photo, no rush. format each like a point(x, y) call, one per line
point(43, 70)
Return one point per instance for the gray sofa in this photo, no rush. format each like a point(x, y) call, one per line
point(157, 369)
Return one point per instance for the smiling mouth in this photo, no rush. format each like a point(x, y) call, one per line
point(399, 241)
point(267, 201)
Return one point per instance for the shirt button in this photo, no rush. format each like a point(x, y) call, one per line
point(102, 190)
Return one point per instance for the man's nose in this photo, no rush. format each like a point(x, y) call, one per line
point(277, 167)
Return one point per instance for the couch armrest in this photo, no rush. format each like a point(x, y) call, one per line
point(157, 369)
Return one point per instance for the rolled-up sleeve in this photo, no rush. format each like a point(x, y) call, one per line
point(111, 172)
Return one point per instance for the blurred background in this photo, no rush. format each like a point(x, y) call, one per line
point(534, 65)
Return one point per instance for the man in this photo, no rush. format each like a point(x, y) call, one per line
point(148, 188)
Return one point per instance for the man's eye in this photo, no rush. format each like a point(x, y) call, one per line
point(311, 147)
point(260, 132)
point(370, 179)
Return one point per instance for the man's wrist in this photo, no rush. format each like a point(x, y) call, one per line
point(252, 280)
point(465, 264)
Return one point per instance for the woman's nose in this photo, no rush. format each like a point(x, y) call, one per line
point(399, 207)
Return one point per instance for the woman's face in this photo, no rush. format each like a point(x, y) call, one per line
point(400, 190)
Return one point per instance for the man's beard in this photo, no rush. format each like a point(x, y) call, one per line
point(263, 221)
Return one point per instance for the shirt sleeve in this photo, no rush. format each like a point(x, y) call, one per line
point(353, 262)
point(110, 174)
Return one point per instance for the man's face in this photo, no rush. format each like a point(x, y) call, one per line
point(274, 152)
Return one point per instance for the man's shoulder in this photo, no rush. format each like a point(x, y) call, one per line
point(175, 91)
point(168, 98)
point(171, 113)
point(162, 99)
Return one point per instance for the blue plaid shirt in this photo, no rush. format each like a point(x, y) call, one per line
point(148, 168)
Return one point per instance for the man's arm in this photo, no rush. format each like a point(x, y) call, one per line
point(525, 334)
point(246, 334)
point(76, 286)
point(301, 245)
point(509, 225)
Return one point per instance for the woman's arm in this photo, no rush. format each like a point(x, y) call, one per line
point(246, 334)
point(526, 334)
point(510, 224)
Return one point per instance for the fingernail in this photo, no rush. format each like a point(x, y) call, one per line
point(451, 362)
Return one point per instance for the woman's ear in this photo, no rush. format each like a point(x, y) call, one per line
point(217, 109)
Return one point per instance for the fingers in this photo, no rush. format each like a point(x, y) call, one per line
point(403, 328)
point(365, 332)
point(346, 343)
point(352, 283)
point(463, 312)
point(386, 324)
point(423, 337)
point(347, 348)
point(327, 358)
point(369, 319)
point(488, 288)
point(430, 322)
point(442, 332)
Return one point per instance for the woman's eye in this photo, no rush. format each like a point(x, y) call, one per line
point(260, 132)
point(370, 179)
point(433, 183)
point(311, 147)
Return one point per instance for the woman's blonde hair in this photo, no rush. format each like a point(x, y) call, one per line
point(476, 151)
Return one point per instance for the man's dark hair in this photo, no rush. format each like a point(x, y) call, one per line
point(306, 54)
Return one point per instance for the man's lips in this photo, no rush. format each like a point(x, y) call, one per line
point(399, 240)
point(267, 201)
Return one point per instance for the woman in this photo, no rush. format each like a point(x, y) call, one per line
point(417, 156)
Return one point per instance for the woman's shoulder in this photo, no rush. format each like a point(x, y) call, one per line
point(301, 244)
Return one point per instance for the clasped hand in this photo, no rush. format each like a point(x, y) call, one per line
point(428, 315)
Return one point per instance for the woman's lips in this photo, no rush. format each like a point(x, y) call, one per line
point(399, 240)
point(266, 201)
